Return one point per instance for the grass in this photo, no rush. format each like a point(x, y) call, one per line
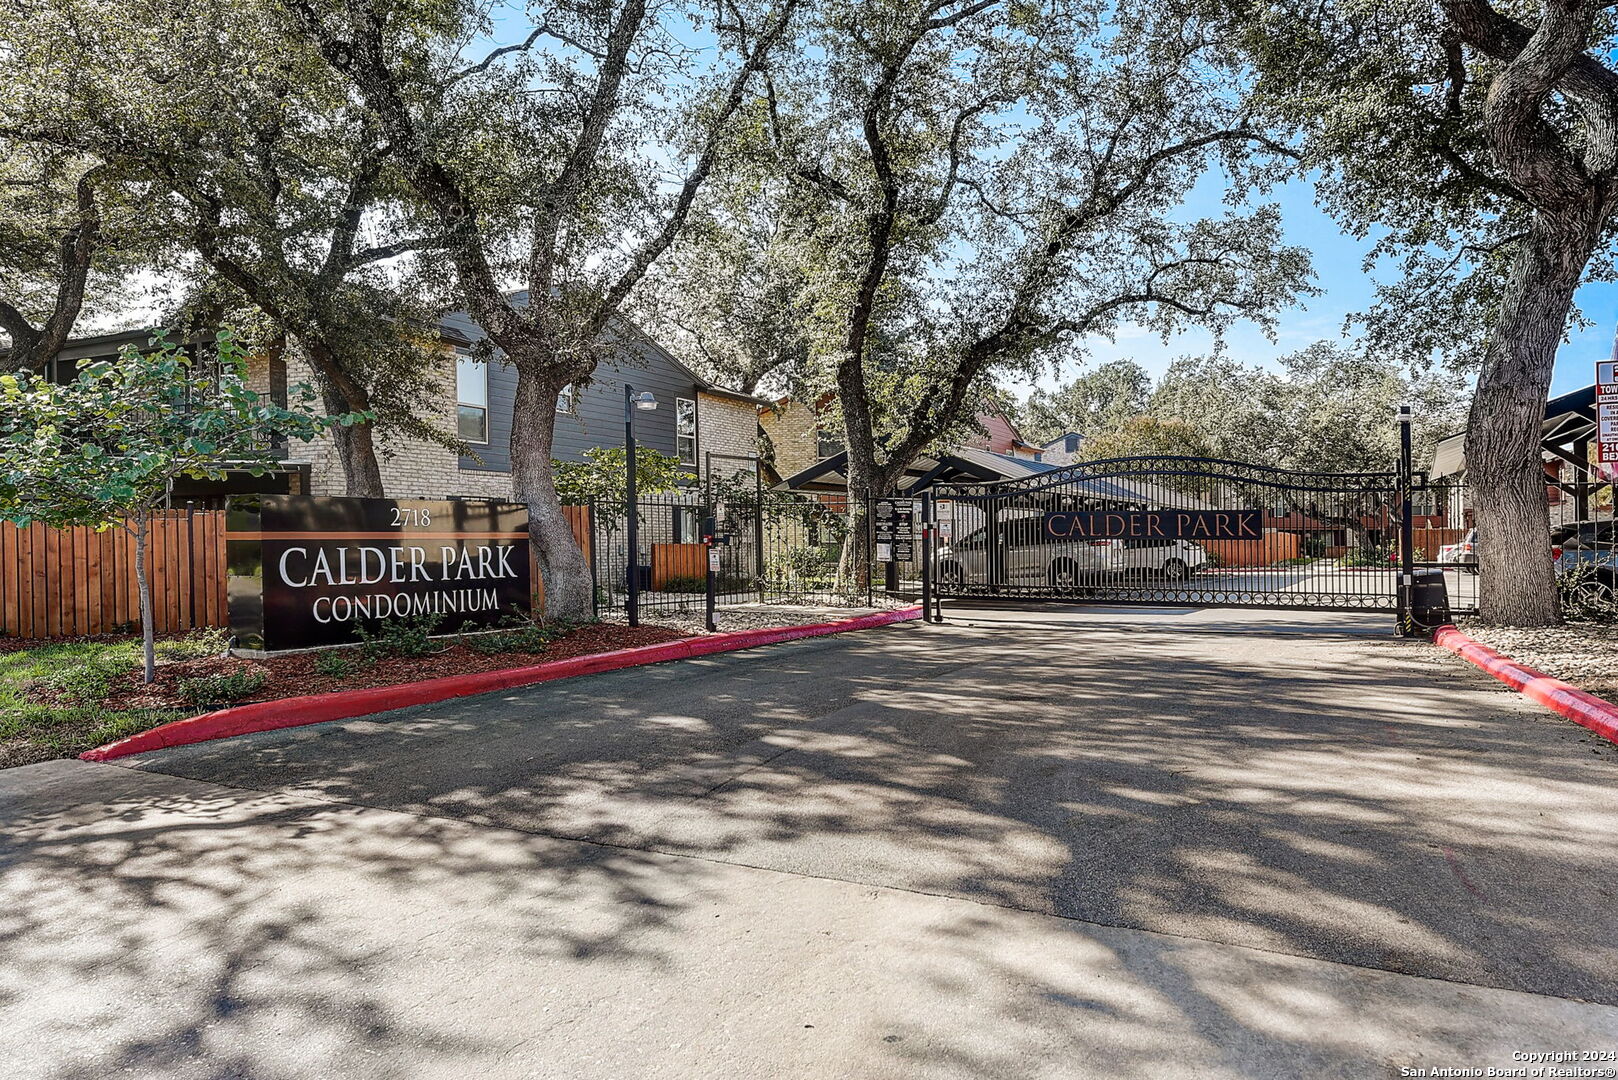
point(80, 674)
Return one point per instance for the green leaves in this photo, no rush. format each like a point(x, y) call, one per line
point(603, 475)
point(106, 446)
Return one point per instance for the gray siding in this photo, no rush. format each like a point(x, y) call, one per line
point(598, 416)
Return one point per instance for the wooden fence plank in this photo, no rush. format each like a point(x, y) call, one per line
point(50, 577)
point(71, 582)
point(8, 579)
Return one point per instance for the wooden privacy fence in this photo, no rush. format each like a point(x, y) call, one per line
point(67, 582)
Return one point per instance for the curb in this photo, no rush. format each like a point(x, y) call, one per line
point(348, 704)
point(1597, 714)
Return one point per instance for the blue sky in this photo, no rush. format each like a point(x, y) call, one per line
point(1345, 289)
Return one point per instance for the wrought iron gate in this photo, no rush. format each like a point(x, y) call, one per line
point(1178, 530)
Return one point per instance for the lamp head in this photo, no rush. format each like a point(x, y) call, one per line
point(645, 400)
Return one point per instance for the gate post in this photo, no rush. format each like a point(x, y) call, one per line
point(1407, 544)
point(710, 525)
point(595, 544)
point(926, 557)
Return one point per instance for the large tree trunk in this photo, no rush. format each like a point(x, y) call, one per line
point(1505, 474)
point(355, 443)
point(356, 451)
point(864, 474)
point(562, 565)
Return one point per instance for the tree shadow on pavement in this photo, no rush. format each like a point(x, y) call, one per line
point(1329, 799)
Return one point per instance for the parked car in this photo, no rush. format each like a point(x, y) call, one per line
point(1034, 557)
point(1589, 549)
point(1463, 554)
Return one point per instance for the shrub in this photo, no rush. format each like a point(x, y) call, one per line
point(409, 635)
point(520, 634)
point(332, 663)
point(194, 645)
point(220, 689)
point(1366, 556)
point(1587, 594)
point(89, 682)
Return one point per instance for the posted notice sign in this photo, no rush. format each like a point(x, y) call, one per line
point(895, 527)
point(307, 571)
point(1607, 411)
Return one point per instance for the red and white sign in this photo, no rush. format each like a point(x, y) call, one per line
point(1607, 411)
point(1606, 380)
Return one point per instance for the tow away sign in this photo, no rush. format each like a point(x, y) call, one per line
point(1607, 411)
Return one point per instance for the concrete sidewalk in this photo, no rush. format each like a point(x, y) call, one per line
point(1123, 844)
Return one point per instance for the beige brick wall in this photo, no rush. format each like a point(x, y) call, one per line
point(411, 468)
point(790, 428)
point(725, 426)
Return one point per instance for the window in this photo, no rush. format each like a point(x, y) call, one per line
point(827, 444)
point(686, 525)
point(685, 430)
point(564, 400)
point(471, 399)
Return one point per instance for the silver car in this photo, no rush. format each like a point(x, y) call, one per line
point(1034, 557)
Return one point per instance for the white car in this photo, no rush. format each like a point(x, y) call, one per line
point(1034, 557)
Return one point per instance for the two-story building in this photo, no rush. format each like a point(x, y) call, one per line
point(696, 420)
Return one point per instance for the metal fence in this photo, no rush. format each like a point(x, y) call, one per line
point(767, 548)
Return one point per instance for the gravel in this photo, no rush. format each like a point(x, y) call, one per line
point(754, 616)
point(1583, 654)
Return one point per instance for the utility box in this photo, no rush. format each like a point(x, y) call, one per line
point(1429, 600)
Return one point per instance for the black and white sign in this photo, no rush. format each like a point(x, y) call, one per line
point(307, 571)
point(895, 527)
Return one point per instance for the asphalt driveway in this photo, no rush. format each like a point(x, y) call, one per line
point(1044, 843)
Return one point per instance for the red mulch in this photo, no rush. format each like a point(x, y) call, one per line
point(295, 676)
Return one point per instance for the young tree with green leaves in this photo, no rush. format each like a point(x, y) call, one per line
point(103, 450)
point(604, 473)
point(1481, 139)
point(567, 161)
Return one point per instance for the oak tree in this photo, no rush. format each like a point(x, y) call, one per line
point(567, 160)
point(1481, 141)
point(261, 170)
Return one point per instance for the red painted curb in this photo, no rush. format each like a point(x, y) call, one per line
point(1597, 714)
point(347, 704)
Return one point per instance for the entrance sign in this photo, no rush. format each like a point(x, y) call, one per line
point(1155, 525)
point(307, 571)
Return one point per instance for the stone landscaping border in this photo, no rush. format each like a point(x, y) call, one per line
point(347, 704)
point(1597, 714)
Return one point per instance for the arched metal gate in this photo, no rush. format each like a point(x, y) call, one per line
point(1178, 530)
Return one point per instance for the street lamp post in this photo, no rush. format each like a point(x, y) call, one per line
point(633, 401)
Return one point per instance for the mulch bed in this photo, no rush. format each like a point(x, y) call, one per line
point(296, 676)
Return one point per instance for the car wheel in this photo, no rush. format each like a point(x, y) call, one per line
point(1597, 590)
point(951, 573)
point(1176, 570)
point(1064, 574)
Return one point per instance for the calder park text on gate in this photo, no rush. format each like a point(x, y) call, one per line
point(1155, 524)
point(307, 571)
